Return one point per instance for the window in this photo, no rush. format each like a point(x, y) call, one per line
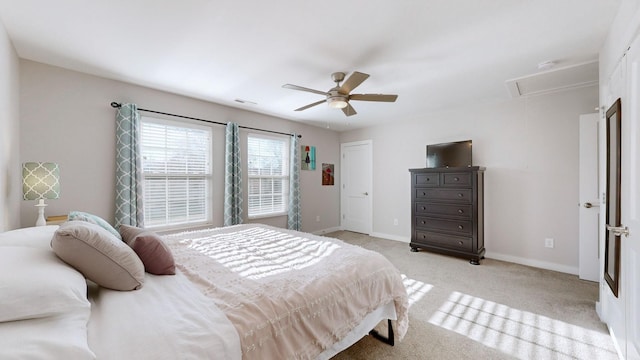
point(176, 166)
point(268, 175)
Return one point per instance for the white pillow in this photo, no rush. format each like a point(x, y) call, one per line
point(62, 336)
point(36, 284)
point(39, 236)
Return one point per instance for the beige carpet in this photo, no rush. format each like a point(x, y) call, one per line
point(497, 310)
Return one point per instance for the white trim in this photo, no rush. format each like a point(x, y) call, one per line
point(326, 231)
point(573, 270)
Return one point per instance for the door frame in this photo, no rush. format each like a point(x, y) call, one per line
point(343, 199)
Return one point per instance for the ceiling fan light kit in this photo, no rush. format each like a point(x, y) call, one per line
point(337, 102)
point(338, 97)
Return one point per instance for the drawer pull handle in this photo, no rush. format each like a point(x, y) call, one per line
point(460, 243)
point(424, 236)
point(422, 222)
point(424, 194)
point(428, 179)
point(456, 179)
point(460, 227)
point(460, 211)
point(424, 208)
point(460, 195)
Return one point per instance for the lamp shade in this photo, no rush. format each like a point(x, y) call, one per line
point(40, 180)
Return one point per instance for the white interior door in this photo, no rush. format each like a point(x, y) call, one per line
point(622, 312)
point(612, 301)
point(589, 262)
point(630, 203)
point(356, 188)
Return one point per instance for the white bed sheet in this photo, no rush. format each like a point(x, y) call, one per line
point(168, 318)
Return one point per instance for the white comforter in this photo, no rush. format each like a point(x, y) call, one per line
point(167, 319)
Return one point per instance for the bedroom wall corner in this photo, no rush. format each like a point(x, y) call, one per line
point(10, 182)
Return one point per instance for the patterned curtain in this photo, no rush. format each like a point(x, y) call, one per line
point(295, 216)
point(129, 210)
point(232, 177)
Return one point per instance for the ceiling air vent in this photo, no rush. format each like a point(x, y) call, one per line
point(560, 79)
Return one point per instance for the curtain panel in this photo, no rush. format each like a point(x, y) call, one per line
point(233, 176)
point(294, 217)
point(129, 207)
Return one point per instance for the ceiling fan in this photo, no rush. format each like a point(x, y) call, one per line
point(338, 97)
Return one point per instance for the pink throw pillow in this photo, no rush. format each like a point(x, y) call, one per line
point(150, 248)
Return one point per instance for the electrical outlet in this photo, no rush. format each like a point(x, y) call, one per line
point(395, 221)
point(318, 218)
point(548, 242)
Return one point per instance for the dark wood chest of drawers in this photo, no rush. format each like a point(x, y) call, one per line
point(447, 211)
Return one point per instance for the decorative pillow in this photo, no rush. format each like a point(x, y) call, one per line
point(94, 219)
point(100, 256)
point(154, 253)
point(36, 284)
point(38, 237)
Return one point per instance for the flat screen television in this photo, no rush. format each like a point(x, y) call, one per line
point(452, 154)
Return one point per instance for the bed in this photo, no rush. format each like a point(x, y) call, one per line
point(238, 292)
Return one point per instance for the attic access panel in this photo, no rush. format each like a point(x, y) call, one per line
point(565, 78)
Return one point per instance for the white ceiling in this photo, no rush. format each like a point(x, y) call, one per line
point(433, 53)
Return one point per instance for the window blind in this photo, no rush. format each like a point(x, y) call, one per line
point(176, 163)
point(268, 175)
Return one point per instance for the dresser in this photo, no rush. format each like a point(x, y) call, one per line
point(447, 211)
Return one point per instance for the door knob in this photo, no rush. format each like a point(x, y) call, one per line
point(619, 230)
point(366, 193)
point(589, 205)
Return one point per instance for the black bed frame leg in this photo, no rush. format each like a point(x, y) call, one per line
point(387, 340)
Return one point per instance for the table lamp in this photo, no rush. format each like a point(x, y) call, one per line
point(40, 180)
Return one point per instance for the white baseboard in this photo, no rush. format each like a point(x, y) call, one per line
point(391, 237)
point(326, 231)
point(510, 258)
point(535, 263)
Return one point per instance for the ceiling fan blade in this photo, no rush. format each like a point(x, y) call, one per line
point(349, 110)
point(311, 105)
point(353, 81)
point(373, 97)
point(296, 87)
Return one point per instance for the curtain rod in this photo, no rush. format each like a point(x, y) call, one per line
point(118, 105)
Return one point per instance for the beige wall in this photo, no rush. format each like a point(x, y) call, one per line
point(66, 118)
point(529, 146)
point(530, 149)
point(10, 178)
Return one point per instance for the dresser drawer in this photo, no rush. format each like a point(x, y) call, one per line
point(462, 227)
point(447, 241)
point(458, 210)
point(432, 179)
point(456, 179)
point(458, 195)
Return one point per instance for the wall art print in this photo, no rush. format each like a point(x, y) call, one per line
point(328, 174)
point(308, 157)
